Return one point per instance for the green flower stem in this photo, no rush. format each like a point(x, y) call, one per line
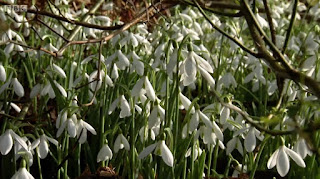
point(209, 161)
point(256, 163)
point(215, 157)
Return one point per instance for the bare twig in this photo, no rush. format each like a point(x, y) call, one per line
point(269, 18)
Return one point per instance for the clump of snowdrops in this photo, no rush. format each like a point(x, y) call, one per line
point(178, 101)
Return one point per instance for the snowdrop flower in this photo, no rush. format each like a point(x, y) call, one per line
point(137, 65)
point(59, 70)
point(42, 145)
point(22, 173)
point(302, 148)
point(7, 139)
point(156, 116)
point(160, 149)
point(120, 143)
point(3, 75)
point(84, 127)
point(281, 159)
point(17, 87)
point(138, 89)
point(35, 90)
point(224, 114)
point(104, 154)
point(185, 103)
point(124, 106)
point(250, 139)
point(95, 81)
point(234, 143)
point(122, 62)
point(71, 125)
point(197, 152)
point(6, 85)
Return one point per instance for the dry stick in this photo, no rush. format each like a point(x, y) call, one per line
point(97, 78)
point(123, 28)
point(57, 17)
point(51, 29)
point(269, 18)
point(293, 16)
point(77, 29)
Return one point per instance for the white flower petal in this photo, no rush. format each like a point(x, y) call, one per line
point(6, 142)
point(59, 71)
point(35, 90)
point(166, 154)
point(149, 89)
point(273, 159)
point(146, 151)
point(43, 148)
point(3, 75)
point(104, 154)
point(17, 87)
point(250, 141)
point(205, 119)
point(283, 163)
point(295, 157)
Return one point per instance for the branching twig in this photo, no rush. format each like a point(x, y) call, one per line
point(236, 41)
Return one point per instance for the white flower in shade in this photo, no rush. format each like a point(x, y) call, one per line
point(7, 139)
point(17, 87)
point(15, 107)
point(124, 106)
point(85, 127)
point(137, 65)
point(197, 152)
point(22, 173)
point(185, 103)
point(160, 149)
point(123, 61)
point(95, 81)
point(207, 76)
point(234, 143)
point(3, 75)
point(104, 154)
point(35, 90)
point(302, 148)
point(120, 143)
point(71, 125)
point(149, 89)
point(59, 70)
point(115, 73)
point(156, 116)
point(5, 86)
point(224, 114)
point(250, 139)
point(61, 89)
point(42, 145)
point(281, 159)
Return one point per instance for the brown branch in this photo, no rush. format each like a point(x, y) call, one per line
point(60, 18)
point(125, 27)
point(269, 18)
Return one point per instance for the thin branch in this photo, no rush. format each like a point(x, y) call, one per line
point(51, 29)
point(236, 41)
point(57, 17)
point(271, 26)
point(288, 34)
point(110, 36)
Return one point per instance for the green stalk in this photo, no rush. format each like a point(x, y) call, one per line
point(132, 151)
point(215, 157)
point(258, 157)
point(209, 161)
